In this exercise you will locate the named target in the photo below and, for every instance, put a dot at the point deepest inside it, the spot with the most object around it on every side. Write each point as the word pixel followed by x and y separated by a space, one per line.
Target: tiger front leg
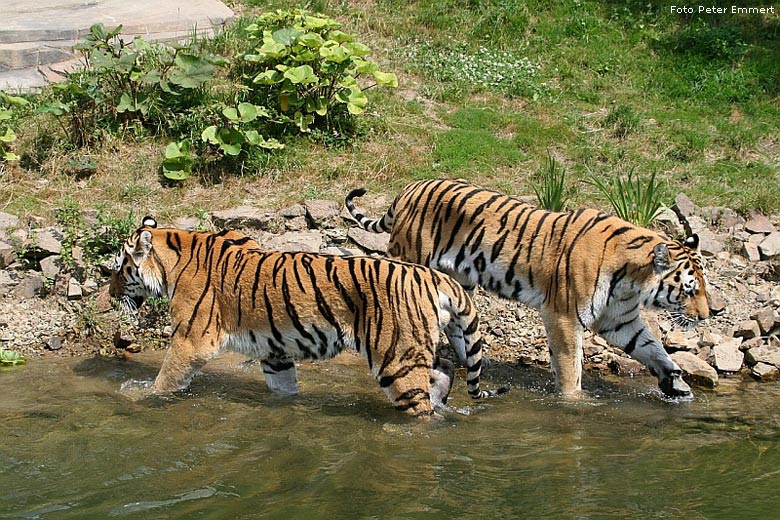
pixel 637 341
pixel 564 337
pixel 442 376
pixel 181 363
pixel 280 375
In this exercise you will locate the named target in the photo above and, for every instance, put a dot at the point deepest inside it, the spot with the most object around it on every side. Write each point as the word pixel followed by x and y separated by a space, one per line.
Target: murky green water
pixel 72 446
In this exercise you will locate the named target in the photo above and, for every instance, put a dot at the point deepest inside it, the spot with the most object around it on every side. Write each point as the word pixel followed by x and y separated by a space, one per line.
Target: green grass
pixel 487 87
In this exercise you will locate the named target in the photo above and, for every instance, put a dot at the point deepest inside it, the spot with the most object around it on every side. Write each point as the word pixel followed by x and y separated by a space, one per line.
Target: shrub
pixel 9 112
pixel 633 199
pixel 551 193
pixel 305 68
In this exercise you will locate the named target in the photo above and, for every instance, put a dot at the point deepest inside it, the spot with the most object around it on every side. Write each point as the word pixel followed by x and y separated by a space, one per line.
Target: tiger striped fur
pixel 228 294
pixel 582 269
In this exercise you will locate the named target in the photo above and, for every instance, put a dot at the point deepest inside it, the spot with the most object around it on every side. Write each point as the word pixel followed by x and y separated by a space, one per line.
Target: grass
pixel 486 89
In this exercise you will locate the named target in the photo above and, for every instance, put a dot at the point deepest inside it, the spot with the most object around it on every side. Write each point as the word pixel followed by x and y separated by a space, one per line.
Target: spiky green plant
pixel 551 191
pixel 633 199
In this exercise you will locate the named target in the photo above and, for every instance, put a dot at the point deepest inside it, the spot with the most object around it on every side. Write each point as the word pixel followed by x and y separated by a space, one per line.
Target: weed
pixel 107 236
pixel 551 193
pixel 623 120
pixel 11 358
pixel 633 199
pixel 69 218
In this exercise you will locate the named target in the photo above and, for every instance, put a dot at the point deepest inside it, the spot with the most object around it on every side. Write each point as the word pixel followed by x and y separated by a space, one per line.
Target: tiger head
pixel 681 286
pixel 135 276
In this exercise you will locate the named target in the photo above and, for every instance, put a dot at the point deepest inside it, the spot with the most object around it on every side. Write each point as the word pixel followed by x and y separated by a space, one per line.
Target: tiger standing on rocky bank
pixel 228 294
pixel 582 269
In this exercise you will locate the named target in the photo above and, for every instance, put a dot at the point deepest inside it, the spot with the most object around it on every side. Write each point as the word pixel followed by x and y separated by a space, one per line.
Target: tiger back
pixel 228 294
pixel 582 269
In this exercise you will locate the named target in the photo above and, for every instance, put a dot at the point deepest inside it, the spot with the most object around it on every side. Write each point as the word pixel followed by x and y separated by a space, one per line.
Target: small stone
pixel 751 252
pixel 709 339
pixel 751 343
pixel 716 302
pixel 323 213
pixel 684 206
pixel 774 342
pixel 727 355
pixel 748 329
pixel 695 370
pixel 167 331
pixel 188 223
pixel 766 320
pixel 296 210
pixel 341 251
pixel 709 243
pixel 669 222
pixel 759 224
pixel 103 301
pixel 50 266
pixel 372 242
pixel 134 348
pixel 8 221
pixel 54 343
pixel 757 238
pixel 296 224
pixel 42 243
pixel 122 339
pixel 89 286
pixel 590 348
pixel 7 255
pixel 245 217
pixel 770 246
pixel 681 339
pixel 30 286
pixel 765 372
pixel 74 290
pixel 624 366
pixel 7 281
pixel 292 241
pixel 765 354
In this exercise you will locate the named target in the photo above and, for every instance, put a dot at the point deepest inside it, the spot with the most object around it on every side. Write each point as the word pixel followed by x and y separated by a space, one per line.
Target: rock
pixel 766 320
pixel 715 300
pixel 8 221
pixel 709 339
pixel 7 254
pixel 43 242
pixel 696 371
pixel 50 266
pixel 759 224
pixel 770 246
pixel 750 251
pixel 188 223
pixel 335 236
pixel 727 355
pixel 371 242
pixel 54 343
pixel 751 343
pixel 134 347
pixel 681 340
pixel 122 339
pixel 30 286
pixel 748 329
pixel 74 291
pixel 307 241
pixel 710 244
pixel 730 219
pixel 765 372
pixel 323 213
pixel 7 281
pixel 590 349
pixel 624 366
pixel 684 206
pixel 669 222
pixel 245 216
pixel 300 223
pixel 296 210
pixel 774 342
pixel 766 354
pixel 89 286
pixel 103 301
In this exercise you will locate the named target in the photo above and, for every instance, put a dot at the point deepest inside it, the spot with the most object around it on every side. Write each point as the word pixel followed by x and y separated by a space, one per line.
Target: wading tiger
pixel 582 269
pixel 228 294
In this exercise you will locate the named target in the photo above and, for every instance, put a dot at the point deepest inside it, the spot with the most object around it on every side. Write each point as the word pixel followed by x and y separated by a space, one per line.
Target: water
pixel 72 446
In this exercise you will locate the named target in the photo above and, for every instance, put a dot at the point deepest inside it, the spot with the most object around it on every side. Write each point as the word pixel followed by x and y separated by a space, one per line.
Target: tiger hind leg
pixel 280 375
pixel 442 377
pixel 408 388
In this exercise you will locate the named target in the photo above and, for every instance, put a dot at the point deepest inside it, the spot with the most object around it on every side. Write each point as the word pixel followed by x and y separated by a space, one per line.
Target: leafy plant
pixel 11 357
pixel 9 106
pixel 178 161
pixel 307 69
pixel 107 236
pixel 551 193
pixel 70 219
pixel 634 199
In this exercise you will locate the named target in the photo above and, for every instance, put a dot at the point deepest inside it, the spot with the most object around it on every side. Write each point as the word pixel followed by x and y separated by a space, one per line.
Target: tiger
pixel 226 293
pixel 581 269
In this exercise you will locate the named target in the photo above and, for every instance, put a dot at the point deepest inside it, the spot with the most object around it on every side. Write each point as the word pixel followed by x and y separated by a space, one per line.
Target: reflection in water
pixel 73 446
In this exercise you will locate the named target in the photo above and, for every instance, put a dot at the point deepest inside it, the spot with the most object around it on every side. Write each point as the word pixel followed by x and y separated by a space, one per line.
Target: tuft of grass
pixel 623 120
pixel 633 199
pixel 551 192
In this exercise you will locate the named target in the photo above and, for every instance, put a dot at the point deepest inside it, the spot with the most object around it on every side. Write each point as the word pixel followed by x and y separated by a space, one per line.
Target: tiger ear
pixel 661 258
pixel 692 241
pixel 148 221
pixel 142 247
